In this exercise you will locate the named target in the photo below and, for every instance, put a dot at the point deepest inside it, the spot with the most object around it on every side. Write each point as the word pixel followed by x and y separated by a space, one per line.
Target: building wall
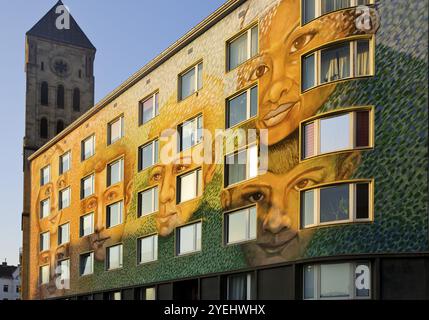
pixel 396 165
pixel 13 284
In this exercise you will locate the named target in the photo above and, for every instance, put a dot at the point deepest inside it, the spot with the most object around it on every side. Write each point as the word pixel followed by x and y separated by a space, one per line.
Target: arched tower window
pixel 60 126
pixel 44 128
pixel 60 96
pixel 44 94
pixel 76 99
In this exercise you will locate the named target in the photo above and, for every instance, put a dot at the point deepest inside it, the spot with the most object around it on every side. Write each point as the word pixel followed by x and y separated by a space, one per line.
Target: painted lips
pixel 278 115
pixel 277 242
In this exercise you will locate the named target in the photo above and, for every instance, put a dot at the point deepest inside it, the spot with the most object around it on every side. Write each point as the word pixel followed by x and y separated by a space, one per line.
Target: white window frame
pixel 60 233
pixel 81 225
pixel 121 257
pixel 248 168
pixel 352 204
pixel 60 197
pixel 155 205
pixel 42 175
pixel 48 205
pixel 48 241
pixel 121 214
pixel 154 258
pixel 247 226
pixel 248 34
pixel 90 254
pixel 317 281
pixel 155 157
pixel 109 172
pixel 352 58
pixel 61 169
pixel 83 148
pixel 41 273
pixel 198 177
pixel 195 240
pixel 110 141
pixel 248 105
pixel 155 111
pixel 195 68
pixel 82 186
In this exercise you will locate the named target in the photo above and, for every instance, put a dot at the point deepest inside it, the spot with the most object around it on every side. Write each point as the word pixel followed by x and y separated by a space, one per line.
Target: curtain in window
pixel 237 287
pixel 335 63
pixel 236 165
pixel 332 5
pixel 238 51
pixel 308 140
pixel 362 58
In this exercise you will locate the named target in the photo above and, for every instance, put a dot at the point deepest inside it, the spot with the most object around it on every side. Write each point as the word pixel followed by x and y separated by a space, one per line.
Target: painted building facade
pixel 276 151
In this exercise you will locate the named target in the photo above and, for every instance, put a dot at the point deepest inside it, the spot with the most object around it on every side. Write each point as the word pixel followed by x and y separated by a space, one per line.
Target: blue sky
pixel 127 35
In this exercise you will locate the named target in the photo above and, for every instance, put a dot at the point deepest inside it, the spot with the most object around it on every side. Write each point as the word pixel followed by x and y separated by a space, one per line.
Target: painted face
pixel 281 104
pixel 277 197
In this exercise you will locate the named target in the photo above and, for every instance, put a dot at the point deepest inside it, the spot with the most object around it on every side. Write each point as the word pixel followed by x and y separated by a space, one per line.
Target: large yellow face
pixel 277 197
pixel 282 105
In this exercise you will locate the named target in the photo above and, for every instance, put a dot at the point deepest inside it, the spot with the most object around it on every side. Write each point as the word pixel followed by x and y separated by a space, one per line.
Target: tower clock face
pixel 60 66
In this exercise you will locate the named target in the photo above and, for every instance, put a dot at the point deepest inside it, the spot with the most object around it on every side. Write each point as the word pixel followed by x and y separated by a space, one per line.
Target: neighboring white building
pixel 10 282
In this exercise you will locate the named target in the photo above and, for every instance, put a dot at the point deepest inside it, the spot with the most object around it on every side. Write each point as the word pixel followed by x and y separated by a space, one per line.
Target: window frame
pixel 248 239
pixel 41 216
pixel 81 219
pixel 82 147
pixel 249 285
pixel 119 119
pixel 155 205
pixel 42 180
pixel 61 169
pixel 121 260
pixel 177 231
pixel 194 121
pixel 60 199
pixel 41 274
pixel 197 171
pixel 155 249
pixel 91 254
pixel 59 262
pixel 42 248
pixel 317 280
pixel 248 177
pixel 109 172
pixel 195 68
pixel 155 156
pixel 155 111
pixel 352 206
pixel 248 32
pixel 352 42
pixel 318 11
pixel 249 117
pixel 82 186
pixel 108 212
pixel 60 233
pixel 316 120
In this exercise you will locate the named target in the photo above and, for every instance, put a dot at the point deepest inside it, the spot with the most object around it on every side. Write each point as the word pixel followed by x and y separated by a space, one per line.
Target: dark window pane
pixel 253 101
pixel 362 201
pixel 60 97
pixel 76 99
pixel 362 129
pixel 236 167
pixel 44 94
pixel 308 9
pixel 308 70
pixel 237 110
pixel 44 128
pixel 334 203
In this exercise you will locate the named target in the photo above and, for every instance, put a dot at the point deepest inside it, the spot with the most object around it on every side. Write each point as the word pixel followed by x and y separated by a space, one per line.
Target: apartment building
pixel 279 150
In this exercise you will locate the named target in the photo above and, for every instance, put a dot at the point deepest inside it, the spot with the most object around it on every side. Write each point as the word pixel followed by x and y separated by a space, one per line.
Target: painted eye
pixel 256 197
pixel 301 42
pixel 304 183
pixel 258 72
pixel 156 177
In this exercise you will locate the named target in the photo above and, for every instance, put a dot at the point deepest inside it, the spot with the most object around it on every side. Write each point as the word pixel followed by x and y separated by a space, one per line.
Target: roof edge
pixel 190 36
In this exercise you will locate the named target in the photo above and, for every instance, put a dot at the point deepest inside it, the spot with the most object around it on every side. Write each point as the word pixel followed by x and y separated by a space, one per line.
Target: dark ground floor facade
pixel 377 277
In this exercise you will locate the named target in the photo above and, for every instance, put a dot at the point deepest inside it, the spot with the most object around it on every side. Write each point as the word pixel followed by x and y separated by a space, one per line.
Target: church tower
pixel 59 65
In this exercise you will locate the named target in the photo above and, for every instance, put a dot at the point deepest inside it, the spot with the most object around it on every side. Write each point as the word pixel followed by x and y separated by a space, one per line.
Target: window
pixel 339 132
pixel 115 172
pixel 340 203
pixel 191 81
pixel 60 96
pixel 64 234
pixel 86 225
pixel 45 175
pixel 148 294
pixel 60 126
pixel 336 62
pixel 87 187
pixel 64 198
pixel 86 264
pixel 64 270
pixel 76 100
pixel 44 274
pixel 148 155
pixel 189 186
pixel 88 148
pixel 190 133
pixel 114 257
pixel 337 281
pixel 44 241
pixel 45 208
pixel 148 249
pixel 239 287
pixel 44 130
pixel 149 108
pixel 242 107
pixel 240 226
pixel 188 239
pixel 44 94
pixel 312 9
pixel 241 165
pixel 242 48
pixel 115 130
pixel 116 296
pixel 5 288
pixel 65 162
pixel 148 202
pixel 114 214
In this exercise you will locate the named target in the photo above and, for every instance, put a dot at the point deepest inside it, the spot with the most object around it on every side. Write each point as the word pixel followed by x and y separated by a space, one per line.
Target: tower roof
pixel 46 28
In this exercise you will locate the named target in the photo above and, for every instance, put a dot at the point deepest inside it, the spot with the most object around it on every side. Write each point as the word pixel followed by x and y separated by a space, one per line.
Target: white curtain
pixel 362 59
pixel 335 63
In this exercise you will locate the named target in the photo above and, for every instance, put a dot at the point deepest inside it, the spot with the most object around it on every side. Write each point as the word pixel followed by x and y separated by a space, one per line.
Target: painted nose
pixel 166 194
pixel 278 89
pixel 276 221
